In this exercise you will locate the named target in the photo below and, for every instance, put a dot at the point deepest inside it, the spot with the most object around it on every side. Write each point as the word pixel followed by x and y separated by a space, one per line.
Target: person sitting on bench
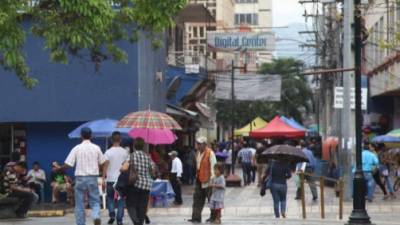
pixel 14 189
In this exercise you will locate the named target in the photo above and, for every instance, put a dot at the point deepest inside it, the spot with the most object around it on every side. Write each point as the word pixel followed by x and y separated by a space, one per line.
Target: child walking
pixel 217 197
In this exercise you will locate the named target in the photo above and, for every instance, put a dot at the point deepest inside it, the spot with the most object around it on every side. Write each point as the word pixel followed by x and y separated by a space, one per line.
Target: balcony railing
pixel 184 58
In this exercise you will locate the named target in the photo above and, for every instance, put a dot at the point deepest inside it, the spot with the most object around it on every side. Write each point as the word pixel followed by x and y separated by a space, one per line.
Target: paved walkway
pixel 245 206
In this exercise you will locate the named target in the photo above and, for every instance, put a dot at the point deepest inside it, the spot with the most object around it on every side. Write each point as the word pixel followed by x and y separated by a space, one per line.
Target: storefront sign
pixel 338 98
pixel 241 41
pixel 249 87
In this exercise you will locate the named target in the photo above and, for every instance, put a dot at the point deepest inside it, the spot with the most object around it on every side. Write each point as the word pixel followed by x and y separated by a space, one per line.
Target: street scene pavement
pixel 244 205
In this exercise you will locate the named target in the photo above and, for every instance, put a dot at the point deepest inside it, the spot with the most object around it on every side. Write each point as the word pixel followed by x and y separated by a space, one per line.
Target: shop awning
pixel 293 123
pixel 256 124
pixel 277 129
pixel 203 109
pixel 178 111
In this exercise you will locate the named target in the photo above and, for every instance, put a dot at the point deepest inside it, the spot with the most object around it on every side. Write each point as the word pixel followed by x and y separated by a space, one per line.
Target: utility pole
pixel 359 214
pixel 233 103
pixel 347 128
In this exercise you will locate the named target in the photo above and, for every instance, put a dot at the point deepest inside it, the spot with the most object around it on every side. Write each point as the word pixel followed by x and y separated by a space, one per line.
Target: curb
pixel 46 213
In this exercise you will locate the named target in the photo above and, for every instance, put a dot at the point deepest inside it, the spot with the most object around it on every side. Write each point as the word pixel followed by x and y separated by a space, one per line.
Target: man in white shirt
pixel 176 175
pixel 37 179
pixel 87 159
pixel 115 157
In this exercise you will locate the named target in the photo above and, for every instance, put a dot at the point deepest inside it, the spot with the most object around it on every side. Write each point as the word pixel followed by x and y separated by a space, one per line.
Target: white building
pixel 382 63
pixel 254 16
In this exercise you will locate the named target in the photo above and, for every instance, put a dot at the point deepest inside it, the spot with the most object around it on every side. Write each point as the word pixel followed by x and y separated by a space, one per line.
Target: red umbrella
pixel 149 119
pixel 277 129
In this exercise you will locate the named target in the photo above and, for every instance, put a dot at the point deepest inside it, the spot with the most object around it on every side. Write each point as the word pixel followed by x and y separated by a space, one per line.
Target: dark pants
pixel 189 174
pixel 228 169
pixel 279 192
pixel 253 170
pixel 25 201
pixel 136 204
pixel 177 188
pixel 199 200
pixel 246 167
pixel 377 177
pixel 313 187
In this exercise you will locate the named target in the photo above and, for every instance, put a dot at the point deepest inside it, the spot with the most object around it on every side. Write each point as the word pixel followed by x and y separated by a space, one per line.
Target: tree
pixel 296 96
pixel 79 28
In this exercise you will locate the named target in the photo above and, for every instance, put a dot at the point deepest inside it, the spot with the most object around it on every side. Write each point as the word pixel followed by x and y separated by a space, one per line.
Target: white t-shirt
pixel 228 159
pixel 116 156
pixel 177 167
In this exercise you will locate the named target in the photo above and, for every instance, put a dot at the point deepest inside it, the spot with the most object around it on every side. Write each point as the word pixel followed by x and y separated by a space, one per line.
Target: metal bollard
pixel 303 200
pixel 321 185
pixel 341 191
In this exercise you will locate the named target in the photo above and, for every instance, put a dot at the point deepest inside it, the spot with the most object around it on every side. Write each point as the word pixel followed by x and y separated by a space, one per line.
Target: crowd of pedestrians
pixel 204 166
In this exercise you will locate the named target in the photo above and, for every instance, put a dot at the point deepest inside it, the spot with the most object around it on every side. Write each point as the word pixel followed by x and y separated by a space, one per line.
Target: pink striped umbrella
pixel 154 136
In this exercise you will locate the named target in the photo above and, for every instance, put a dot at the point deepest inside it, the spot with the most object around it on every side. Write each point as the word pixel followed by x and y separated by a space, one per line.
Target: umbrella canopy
pixel 293 123
pixel 285 153
pixel 256 124
pixel 100 128
pixel 386 139
pixel 394 151
pixel 277 129
pixel 154 136
pixel 394 133
pixel 149 119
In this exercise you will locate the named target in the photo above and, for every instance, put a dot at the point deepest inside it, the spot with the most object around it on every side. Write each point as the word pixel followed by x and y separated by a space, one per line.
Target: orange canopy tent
pixel 277 129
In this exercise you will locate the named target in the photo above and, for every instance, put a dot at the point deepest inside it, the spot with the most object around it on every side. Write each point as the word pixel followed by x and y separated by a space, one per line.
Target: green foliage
pixel 87 29
pixel 296 96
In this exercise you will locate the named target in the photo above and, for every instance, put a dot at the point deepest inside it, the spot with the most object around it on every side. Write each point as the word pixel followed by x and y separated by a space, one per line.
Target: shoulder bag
pixel 127 178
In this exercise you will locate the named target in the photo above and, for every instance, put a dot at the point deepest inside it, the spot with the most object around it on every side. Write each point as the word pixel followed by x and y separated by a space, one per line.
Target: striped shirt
pixel 10 179
pixel 246 155
pixel 86 157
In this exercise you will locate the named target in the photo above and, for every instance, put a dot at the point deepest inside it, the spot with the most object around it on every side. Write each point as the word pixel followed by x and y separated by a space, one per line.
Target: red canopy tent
pixel 277 129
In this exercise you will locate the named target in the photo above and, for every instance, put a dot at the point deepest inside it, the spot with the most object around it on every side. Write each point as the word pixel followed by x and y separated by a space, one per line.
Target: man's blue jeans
pixel 279 192
pixel 111 203
pixel 370 185
pixel 86 185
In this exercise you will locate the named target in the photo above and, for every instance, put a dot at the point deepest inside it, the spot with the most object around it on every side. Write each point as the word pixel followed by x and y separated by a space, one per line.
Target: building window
pixel 195 32
pixel 246 18
pixel 201 29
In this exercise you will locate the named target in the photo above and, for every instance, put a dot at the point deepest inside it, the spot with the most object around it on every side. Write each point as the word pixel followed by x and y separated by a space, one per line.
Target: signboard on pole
pixel 338 98
pixel 249 87
pixel 235 41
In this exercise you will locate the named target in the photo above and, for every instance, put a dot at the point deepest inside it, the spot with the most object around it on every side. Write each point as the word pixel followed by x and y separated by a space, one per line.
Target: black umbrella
pixel 284 153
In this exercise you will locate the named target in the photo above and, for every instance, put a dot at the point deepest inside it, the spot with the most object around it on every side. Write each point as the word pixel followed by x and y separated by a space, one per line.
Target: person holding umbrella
pixel 279 172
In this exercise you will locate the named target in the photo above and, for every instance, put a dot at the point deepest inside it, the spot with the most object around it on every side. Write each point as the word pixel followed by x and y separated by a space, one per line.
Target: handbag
pixel 126 179
pixel 267 183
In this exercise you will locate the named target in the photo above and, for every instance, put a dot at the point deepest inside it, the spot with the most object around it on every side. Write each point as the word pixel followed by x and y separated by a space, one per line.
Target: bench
pixel 8 207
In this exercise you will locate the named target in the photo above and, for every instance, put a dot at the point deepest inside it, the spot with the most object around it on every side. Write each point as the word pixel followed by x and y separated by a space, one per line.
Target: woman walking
pixel 384 169
pixel 137 197
pixel 279 172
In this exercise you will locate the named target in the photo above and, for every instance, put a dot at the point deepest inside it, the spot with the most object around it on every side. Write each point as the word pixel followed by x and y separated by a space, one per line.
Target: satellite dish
pixel 173 87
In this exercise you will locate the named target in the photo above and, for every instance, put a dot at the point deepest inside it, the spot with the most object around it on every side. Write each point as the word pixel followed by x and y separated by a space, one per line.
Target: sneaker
pixel 393 196
pixel 315 199
pixel 217 221
pixel 97 221
pixel 111 221
pixel 283 215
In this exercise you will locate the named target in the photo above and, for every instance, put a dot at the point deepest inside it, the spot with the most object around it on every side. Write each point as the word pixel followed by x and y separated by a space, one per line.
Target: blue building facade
pixel 36 122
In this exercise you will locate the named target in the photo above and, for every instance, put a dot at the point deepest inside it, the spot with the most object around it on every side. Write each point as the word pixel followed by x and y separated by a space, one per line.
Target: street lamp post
pixel 359 214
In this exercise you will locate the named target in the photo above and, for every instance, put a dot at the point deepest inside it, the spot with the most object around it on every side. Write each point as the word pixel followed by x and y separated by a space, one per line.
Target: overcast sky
pixel 286 12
